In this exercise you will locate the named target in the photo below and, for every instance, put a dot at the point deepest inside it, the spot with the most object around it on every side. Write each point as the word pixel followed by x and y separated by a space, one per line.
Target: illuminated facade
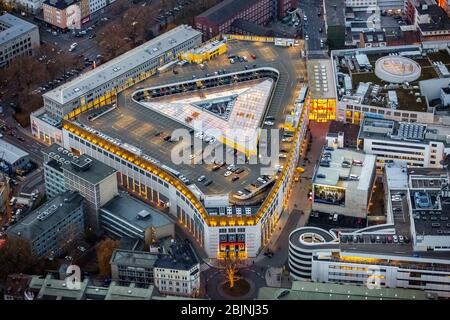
pixel 321 98
pixel 245 234
pixel 319 255
pixel 206 52
pixel 322 110
pixel 99 86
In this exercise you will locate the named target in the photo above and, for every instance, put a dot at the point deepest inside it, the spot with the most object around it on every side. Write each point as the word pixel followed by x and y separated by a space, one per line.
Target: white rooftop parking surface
pixel 122 64
pixel 244 119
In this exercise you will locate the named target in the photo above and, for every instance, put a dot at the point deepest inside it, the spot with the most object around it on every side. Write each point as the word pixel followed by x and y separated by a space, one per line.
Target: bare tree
pixel 231 264
pixel 15 257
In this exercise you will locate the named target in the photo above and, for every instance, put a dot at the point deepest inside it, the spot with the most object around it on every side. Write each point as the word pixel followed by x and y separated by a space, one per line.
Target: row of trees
pixel 26 73
pixel 132 28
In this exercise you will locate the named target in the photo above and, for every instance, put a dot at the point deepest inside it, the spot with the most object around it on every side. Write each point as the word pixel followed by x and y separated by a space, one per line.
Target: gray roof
pixel 127 208
pixel 15 27
pixel 304 290
pixel 335 12
pixel 31 227
pixel 131 292
pixel 391 130
pixel 84 166
pixel 133 258
pixel 10 153
pixel 121 64
pixel 181 257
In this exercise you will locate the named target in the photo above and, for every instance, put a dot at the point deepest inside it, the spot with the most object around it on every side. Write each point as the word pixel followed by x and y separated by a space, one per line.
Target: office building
pixel 12 158
pixel 136 267
pixel 147 173
pixel 49 228
pixel 17 38
pixel 343 182
pixel 125 216
pixel 94 180
pixel 419 145
pixel 219 19
pixel 429 19
pixel 361 76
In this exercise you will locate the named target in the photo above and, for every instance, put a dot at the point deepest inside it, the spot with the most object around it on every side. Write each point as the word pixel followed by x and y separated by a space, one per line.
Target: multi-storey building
pixel 48 229
pixel 410 251
pixel 242 230
pixel 178 272
pixel 17 38
pixel 71 14
pixel 360 75
pixel 343 182
pixel 219 19
pixel 136 267
pixel 62 14
pixel 125 216
pixel 98 86
pixel 94 180
pixel 419 145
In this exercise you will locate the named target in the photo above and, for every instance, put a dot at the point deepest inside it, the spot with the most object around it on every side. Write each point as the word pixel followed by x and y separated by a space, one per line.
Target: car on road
pixel 227 173
pixel 306 37
pixel 201 178
pixel 268 123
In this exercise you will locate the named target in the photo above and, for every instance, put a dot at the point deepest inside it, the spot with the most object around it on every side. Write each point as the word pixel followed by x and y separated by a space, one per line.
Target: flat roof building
pixel 17 37
pixel 219 19
pixel 49 288
pixel 125 216
pixel 94 180
pixel 396 83
pixel 419 145
pixel 342 182
pixel 306 290
pixel 50 227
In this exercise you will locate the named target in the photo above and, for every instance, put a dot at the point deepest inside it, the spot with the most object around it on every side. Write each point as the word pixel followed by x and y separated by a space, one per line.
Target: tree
pixel 15 257
pixel 231 264
pixel 112 40
pixel 105 250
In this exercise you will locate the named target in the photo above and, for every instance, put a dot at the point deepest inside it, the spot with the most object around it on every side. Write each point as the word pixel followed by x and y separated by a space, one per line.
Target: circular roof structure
pixel 397 69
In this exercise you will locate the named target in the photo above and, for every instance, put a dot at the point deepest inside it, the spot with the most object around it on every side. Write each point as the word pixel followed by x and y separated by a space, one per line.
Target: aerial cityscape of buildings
pixel 251 149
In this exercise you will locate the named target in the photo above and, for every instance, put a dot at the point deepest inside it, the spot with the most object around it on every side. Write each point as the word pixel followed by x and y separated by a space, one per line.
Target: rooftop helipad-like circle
pixel 397 69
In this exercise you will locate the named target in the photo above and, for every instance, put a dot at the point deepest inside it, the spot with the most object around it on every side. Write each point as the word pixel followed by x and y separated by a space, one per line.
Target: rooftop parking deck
pixel 149 130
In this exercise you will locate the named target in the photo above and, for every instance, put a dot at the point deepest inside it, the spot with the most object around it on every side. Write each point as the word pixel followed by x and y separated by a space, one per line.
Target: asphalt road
pixel 314 23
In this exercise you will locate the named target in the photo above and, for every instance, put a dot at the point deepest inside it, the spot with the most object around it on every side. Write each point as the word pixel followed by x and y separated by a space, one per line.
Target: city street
pixel 314 23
